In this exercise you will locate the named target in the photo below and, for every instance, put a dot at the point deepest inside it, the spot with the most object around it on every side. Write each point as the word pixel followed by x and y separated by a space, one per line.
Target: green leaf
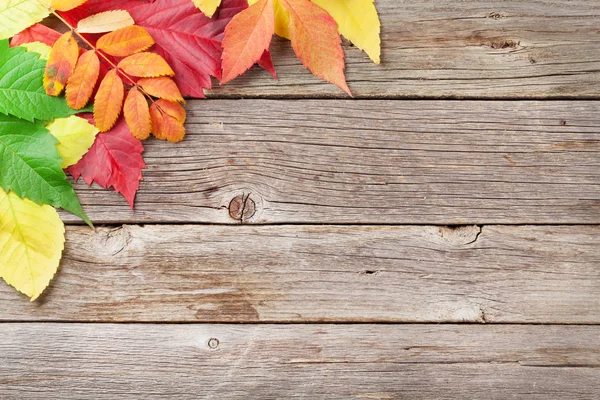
pixel 22 91
pixel 30 165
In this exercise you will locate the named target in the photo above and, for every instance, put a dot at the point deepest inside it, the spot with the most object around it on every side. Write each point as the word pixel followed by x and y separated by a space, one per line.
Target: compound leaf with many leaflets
pixel 30 165
pixel 32 239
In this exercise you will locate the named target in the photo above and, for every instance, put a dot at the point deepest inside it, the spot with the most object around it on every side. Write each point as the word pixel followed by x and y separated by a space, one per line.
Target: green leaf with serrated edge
pixel 30 165
pixel 22 91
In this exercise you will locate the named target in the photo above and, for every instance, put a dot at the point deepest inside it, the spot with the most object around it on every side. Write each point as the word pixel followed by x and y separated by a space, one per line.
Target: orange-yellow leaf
pixel 146 65
pixel 161 87
pixel 125 41
pixel 61 64
pixel 137 114
pixel 66 5
pixel 316 41
pixel 80 85
pixel 108 101
pixel 247 37
pixel 167 120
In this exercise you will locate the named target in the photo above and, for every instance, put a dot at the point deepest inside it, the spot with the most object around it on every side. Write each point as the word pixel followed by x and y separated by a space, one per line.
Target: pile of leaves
pixel 81 102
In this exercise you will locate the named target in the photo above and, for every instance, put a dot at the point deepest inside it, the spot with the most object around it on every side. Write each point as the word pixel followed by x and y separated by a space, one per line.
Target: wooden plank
pixel 446 48
pixel 186 273
pixel 91 361
pixel 390 162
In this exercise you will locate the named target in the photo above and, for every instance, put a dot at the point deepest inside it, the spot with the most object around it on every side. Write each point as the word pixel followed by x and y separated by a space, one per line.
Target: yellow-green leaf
pixel 208 7
pixel 75 137
pixel 38 47
pixel 32 239
pixel 17 15
pixel 358 22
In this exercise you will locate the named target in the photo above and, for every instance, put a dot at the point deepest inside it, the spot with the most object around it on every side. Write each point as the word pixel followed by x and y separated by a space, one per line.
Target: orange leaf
pixel 146 65
pixel 161 87
pixel 61 64
pixel 108 101
pixel 137 114
pixel 316 41
pixel 247 37
pixel 167 120
pixel 125 41
pixel 80 85
pixel 66 5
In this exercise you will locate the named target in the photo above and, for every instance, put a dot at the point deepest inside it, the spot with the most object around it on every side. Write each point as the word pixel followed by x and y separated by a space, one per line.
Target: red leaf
pixel 266 63
pixel 35 33
pixel 114 160
pixel 184 36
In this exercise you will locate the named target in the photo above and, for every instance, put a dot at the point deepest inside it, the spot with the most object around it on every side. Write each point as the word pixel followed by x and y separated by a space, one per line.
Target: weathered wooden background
pixel 437 237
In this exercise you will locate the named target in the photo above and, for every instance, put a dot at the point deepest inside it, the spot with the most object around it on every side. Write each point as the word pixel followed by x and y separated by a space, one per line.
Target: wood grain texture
pixel 445 48
pixel 375 162
pixel 191 273
pixel 89 361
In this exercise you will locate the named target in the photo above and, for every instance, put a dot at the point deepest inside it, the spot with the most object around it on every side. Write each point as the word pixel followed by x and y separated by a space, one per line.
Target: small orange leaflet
pixel 167 120
pixel 61 64
pixel 108 101
pixel 161 87
pixel 146 65
pixel 125 41
pixel 137 114
pixel 80 85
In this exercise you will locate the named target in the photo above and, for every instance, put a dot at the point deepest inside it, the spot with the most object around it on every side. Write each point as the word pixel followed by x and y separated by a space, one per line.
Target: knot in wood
pixel 213 343
pixel 242 208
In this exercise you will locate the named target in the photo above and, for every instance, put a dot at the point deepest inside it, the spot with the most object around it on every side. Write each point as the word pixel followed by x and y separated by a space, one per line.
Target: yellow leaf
pixel 282 19
pixel 75 137
pixel 32 239
pixel 107 21
pixel 208 7
pixel 358 22
pixel 38 47
pixel 17 15
pixel 66 5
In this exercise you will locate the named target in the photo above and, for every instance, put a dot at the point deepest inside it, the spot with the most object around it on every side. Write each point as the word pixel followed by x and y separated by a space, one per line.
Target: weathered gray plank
pixel 325 161
pixel 90 361
pixel 472 48
pixel 322 274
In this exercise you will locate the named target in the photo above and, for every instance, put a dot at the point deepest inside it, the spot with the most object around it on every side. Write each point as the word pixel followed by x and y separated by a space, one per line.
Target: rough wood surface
pixel 87 361
pixel 370 161
pixel 322 274
pixel 446 48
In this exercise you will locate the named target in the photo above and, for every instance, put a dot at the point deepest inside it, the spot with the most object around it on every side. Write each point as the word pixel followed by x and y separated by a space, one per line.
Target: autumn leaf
pixel 247 37
pixel 358 21
pixel 161 87
pixel 40 48
pixel 30 165
pixel 282 19
pixel 35 33
pixel 208 7
pixel 61 64
pixel 108 101
pixel 75 137
pixel 145 65
pixel 125 41
pixel 26 98
pixel 187 39
pixel 316 41
pixel 266 62
pixel 17 15
pixel 65 5
pixel 114 160
pixel 167 120
pixel 32 237
pixel 107 21
pixel 81 83
pixel 137 114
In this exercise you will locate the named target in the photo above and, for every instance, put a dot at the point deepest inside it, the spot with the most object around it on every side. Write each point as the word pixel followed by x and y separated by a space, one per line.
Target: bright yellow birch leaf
pixel 358 22
pixel 107 21
pixel 208 7
pixel 17 15
pixel 75 137
pixel 282 19
pixel 66 5
pixel 32 239
pixel 38 47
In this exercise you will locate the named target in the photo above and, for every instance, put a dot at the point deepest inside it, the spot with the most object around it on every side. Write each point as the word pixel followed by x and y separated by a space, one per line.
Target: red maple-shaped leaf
pixel 35 33
pixel 114 160
pixel 187 39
